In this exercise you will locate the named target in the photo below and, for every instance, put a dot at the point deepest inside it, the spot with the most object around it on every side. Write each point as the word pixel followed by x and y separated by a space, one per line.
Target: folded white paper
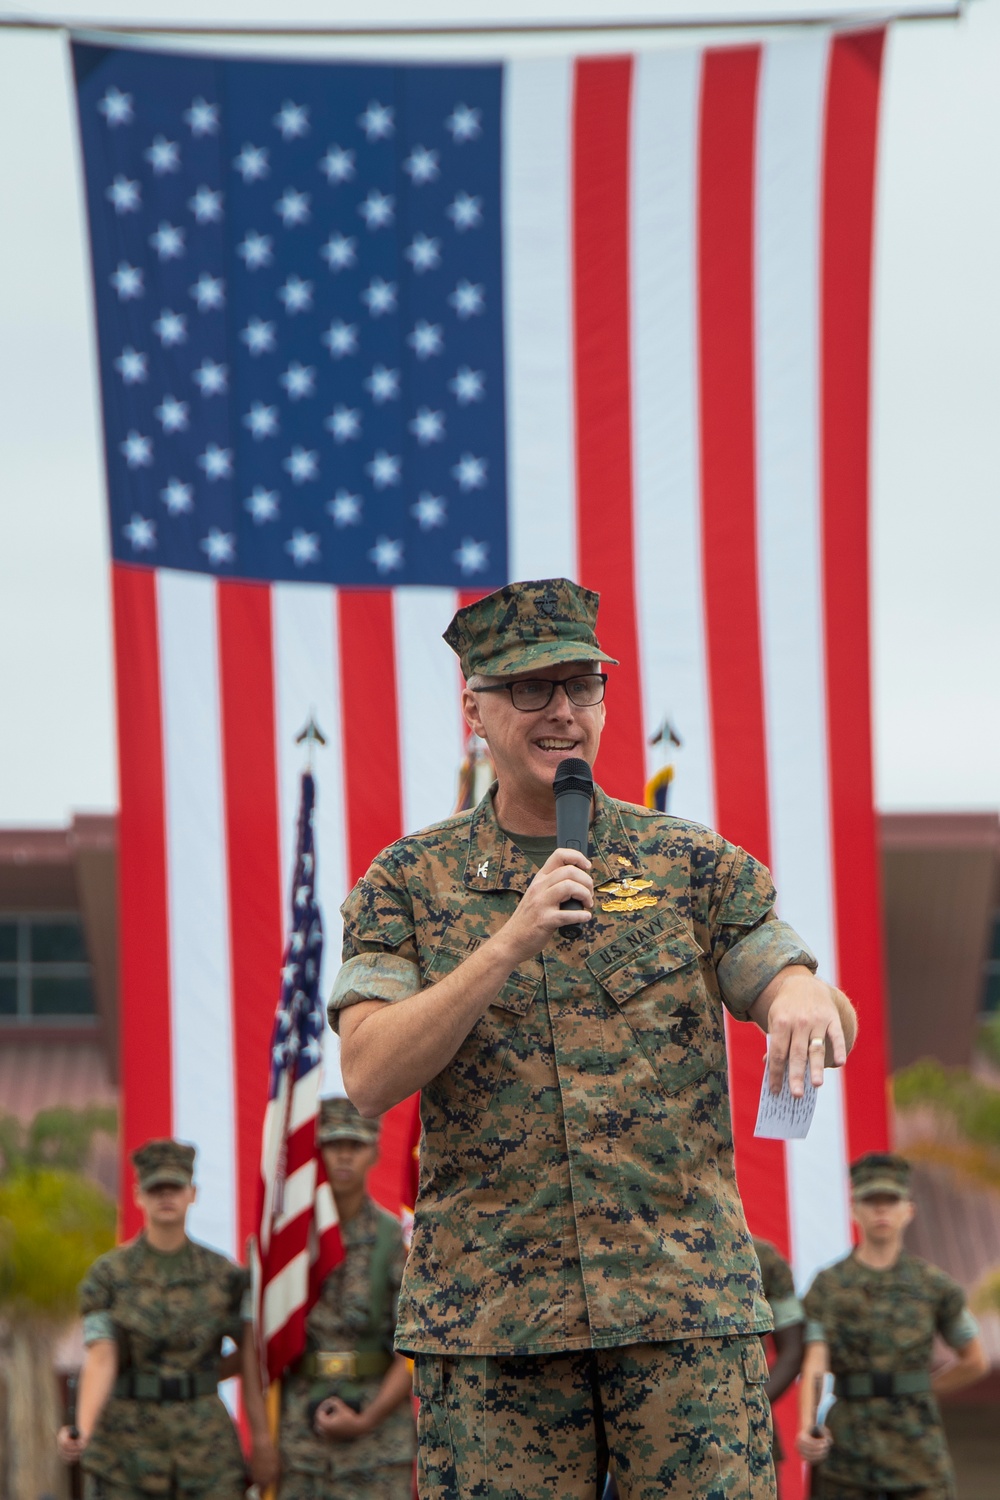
pixel 782 1117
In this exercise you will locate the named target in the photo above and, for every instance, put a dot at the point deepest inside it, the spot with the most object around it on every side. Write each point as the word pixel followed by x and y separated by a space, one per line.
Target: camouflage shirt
pixel 576 1168
pixel 885 1320
pixel 168 1315
pixel 338 1321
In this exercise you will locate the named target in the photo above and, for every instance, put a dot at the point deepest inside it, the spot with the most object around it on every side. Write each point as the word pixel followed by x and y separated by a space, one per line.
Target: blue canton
pixel 299 295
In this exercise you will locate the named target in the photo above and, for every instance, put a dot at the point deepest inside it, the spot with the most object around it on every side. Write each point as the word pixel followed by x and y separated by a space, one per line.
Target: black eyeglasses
pixel 536 692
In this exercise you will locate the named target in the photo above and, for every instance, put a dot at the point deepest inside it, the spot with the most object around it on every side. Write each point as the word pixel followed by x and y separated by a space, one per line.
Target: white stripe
pixel 325 1208
pixel 305 1095
pixel 789 167
pixel 283 1294
pixel 298 1195
pixel 307 680
pixel 538 341
pixel 197 899
pixel 428 686
pixel 665 419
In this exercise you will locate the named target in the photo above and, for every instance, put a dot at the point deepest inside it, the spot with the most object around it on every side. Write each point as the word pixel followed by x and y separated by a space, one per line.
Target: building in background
pixel 58 967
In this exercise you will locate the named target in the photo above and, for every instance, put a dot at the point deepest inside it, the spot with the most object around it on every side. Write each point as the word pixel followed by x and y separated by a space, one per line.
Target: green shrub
pixel 59 1138
pixel 53 1225
pixel 974 1105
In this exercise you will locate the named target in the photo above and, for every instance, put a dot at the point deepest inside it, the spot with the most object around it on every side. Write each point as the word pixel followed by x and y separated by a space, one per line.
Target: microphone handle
pixel 572 832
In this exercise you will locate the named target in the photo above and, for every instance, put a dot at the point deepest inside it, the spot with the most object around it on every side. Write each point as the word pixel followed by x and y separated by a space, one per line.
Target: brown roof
pixel 40 1074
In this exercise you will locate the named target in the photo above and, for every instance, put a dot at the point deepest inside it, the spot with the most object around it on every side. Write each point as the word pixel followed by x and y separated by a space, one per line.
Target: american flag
pixel 374 337
pixel 298 1238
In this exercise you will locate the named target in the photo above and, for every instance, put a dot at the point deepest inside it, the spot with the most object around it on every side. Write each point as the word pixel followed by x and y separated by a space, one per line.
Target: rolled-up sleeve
pixel 97 1304
pixel 372 976
pixel 755 959
pixel 750 945
pixel 379 955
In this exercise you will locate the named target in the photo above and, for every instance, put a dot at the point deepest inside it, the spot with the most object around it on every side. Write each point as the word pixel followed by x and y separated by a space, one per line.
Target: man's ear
pixel 470 712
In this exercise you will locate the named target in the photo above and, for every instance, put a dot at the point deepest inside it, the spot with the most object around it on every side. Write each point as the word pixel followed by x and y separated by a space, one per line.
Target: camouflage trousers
pixel 686 1419
pixel 825 1488
pixel 394 1482
pixel 96 1488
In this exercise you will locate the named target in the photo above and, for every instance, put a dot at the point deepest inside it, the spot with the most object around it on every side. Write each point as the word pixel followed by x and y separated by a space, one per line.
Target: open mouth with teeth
pixel 557 746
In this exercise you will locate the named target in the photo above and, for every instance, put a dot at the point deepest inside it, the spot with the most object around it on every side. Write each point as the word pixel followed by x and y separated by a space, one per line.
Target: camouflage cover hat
pixel 340 1121
pixel 164 1161
pixel 527 625
pixel 880 1172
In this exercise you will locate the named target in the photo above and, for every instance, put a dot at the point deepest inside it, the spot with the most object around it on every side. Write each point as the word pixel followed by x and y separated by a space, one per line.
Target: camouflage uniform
pixel 882 1322
pixel 168 1315
pixel 577 1200
pixel 378 1465
pixel 786 1308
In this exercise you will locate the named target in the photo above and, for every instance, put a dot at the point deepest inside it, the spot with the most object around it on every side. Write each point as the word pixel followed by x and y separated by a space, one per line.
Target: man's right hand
pixel 565 876
pixel 70 1448
pixel 814 1448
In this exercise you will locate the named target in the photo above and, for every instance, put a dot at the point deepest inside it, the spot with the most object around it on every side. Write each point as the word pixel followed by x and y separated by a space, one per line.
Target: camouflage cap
pixel 878 1173
pixel 527 625
pixel 340 1121
pixel 164 1161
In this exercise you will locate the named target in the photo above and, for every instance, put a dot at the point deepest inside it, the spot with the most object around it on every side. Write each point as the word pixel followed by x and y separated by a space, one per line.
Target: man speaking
pixel 581 1283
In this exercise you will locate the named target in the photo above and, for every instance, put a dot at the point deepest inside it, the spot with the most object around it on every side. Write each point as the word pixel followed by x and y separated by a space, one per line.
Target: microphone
pixel 574 792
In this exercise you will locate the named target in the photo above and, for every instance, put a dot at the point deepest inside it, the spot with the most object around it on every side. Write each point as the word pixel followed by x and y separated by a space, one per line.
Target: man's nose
pixel 560 705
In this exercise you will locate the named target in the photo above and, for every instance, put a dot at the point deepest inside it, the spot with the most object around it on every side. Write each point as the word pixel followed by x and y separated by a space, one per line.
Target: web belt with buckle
pixel 136 1385
pixel 865 1385
pixel 344 1364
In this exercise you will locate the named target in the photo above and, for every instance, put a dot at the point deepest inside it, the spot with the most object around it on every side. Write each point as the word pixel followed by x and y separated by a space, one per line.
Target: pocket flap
pixel 671 951
pixel 515 995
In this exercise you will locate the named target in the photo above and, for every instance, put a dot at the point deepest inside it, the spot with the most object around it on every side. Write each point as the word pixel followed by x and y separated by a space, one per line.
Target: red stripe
pixel 729 529
pixel 144 950
pixel 848 219
pixel 250 778
pixel 369 716
pixel 601 317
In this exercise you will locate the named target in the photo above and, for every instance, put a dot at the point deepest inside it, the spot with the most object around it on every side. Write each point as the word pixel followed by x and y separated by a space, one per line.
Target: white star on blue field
pixel 299 283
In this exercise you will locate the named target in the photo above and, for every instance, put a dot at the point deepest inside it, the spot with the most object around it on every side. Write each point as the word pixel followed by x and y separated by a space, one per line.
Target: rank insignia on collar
pixel 627 894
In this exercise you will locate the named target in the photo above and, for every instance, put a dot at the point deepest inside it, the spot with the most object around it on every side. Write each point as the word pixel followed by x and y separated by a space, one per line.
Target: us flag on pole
pixel 298 1238
pixel 376 337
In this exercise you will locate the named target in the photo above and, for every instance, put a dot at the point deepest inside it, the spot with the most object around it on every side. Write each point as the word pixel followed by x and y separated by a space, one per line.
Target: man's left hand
pixel 809 1024
pixel 339 1422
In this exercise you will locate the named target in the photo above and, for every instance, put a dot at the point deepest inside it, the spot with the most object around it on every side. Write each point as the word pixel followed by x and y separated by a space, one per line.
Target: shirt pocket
pixel 661 994
pixel 465 1088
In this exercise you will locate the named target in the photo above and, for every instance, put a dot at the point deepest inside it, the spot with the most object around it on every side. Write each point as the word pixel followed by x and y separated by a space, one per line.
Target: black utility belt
pixel 133 1385
pixel 867 1385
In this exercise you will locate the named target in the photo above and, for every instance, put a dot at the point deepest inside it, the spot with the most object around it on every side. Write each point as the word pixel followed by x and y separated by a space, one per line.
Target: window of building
pixel 991 971
pixel 45 974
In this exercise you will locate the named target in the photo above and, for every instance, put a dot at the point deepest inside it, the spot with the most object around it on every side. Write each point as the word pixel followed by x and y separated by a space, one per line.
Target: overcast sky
pixel 936 435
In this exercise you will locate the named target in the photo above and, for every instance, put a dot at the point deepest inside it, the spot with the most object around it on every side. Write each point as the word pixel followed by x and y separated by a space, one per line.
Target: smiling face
pixel 527 748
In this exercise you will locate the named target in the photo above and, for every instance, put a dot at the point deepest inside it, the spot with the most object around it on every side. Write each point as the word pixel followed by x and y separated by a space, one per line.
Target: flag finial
pixel 310 736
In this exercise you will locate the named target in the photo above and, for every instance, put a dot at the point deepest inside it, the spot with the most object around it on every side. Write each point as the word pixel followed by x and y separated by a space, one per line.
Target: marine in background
pixel 347 1427
pixel 788 1333
pixel 871 1321
pixel 149 1419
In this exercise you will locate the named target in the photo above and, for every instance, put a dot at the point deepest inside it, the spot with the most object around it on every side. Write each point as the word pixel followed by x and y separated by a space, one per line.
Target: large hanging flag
pixel 298 1240
pixel 376 337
